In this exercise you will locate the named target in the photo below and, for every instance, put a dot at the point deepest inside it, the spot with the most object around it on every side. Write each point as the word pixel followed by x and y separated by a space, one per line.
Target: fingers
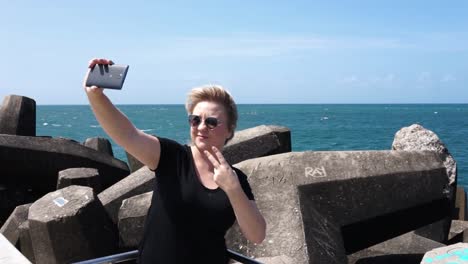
pixel 219 155
pixel 92 88
pixel 91 64
pixel 212 159
pixel 95 61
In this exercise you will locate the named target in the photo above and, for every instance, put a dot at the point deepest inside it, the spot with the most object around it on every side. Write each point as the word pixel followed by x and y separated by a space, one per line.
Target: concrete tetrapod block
pixel 133 163
pixel 132 217
pixel 136 183
pixel 460 204
pixel 28 157
pixel 274 260
pixel 25 243
pixel 10 228
pixel 458 232
pixel 80 176
pixel 407 246
pixel 322 206
pixel 102 145
pixel 418 138
pixel 70 225
pixel 18 116
pixel 257 142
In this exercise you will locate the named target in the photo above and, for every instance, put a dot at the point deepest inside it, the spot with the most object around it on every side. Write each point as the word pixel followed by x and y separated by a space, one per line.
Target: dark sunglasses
pixel 210 122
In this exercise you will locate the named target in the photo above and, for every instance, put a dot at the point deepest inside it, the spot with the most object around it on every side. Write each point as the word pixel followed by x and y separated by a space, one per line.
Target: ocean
pixel 313 126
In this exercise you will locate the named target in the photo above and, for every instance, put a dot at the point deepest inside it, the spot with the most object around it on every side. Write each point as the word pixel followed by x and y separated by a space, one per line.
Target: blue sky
pixel 262 51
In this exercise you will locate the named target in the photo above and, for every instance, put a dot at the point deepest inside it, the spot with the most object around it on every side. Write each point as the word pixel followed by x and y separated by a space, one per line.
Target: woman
pixel 197 194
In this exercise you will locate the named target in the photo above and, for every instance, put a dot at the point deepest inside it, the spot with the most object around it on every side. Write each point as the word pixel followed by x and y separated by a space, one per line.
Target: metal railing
pixel 132 255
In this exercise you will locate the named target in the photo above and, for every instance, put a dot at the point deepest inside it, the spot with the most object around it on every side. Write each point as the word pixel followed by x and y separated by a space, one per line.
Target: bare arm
pixel 144 147
pixel 251 222
pixel 249 218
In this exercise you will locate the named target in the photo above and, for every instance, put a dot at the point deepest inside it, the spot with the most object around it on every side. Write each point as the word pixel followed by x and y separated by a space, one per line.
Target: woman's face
pixel 202 136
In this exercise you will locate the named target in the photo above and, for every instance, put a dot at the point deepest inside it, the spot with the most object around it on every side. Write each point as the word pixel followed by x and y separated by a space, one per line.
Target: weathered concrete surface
pixel 136 183
pixel 393 259
pixel 408 245
pixel 102 145
pixel 9 254
pixel 18 116
pixel 80 176
pixel 28 157
pixel 460 204
pixel 70 225
pixel 418 138
pixel 322 206
pixel 25 243
pixel 133 163
pixel 10 228
pixel 257 142
pixel 458 232
pixel 274 260
pixel 132 217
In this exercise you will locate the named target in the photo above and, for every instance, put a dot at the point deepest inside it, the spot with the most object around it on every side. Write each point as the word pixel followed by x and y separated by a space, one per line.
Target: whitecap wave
pixel 45 124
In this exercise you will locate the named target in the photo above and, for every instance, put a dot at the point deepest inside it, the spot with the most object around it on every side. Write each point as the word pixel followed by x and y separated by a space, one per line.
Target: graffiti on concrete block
pixel 315 172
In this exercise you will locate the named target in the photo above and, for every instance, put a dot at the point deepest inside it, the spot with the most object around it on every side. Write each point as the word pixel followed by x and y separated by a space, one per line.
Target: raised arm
pixel 144 147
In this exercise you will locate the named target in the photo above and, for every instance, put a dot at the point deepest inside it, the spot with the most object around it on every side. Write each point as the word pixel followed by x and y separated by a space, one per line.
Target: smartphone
pixel 107 76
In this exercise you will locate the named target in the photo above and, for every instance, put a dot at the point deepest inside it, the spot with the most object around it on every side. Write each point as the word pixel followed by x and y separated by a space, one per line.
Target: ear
pixel 231 135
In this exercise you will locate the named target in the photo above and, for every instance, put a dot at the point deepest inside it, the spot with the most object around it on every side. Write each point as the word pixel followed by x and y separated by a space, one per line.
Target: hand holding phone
pixel 106 75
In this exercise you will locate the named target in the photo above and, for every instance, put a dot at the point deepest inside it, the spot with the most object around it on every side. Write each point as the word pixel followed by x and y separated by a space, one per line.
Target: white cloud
pixel 255 45
pixel 389 77
pixel 448 78
pixel 424 77
pixel 260 45
pixel 350 79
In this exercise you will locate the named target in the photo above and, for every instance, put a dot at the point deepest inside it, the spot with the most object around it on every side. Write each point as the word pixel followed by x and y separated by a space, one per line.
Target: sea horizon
pixel 130 104
pixel 314 127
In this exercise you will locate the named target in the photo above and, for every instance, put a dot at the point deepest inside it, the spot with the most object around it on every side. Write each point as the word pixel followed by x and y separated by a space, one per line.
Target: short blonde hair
pixel 217 94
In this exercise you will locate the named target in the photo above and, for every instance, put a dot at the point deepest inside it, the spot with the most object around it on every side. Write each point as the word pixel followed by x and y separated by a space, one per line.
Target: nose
pixel 202 125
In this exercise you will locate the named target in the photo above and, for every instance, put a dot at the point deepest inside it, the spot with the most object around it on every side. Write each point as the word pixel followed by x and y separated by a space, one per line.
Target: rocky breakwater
pixel 30 165
pixel 320 207
pixel 357 206
pixel 57 221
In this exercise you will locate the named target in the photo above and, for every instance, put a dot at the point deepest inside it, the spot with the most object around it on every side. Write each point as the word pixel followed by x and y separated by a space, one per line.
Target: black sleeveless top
pixel 186 222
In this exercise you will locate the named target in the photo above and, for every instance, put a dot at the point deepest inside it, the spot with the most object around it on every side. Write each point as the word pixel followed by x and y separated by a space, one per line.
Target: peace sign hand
pixel 224 176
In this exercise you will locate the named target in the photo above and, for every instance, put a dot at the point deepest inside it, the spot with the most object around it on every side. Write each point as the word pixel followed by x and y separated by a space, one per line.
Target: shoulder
pixel 169 145
pixel 172 152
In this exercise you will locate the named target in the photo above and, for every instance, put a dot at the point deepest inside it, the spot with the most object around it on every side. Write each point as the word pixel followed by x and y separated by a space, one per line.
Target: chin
pixel 201 145
pixel 204 145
